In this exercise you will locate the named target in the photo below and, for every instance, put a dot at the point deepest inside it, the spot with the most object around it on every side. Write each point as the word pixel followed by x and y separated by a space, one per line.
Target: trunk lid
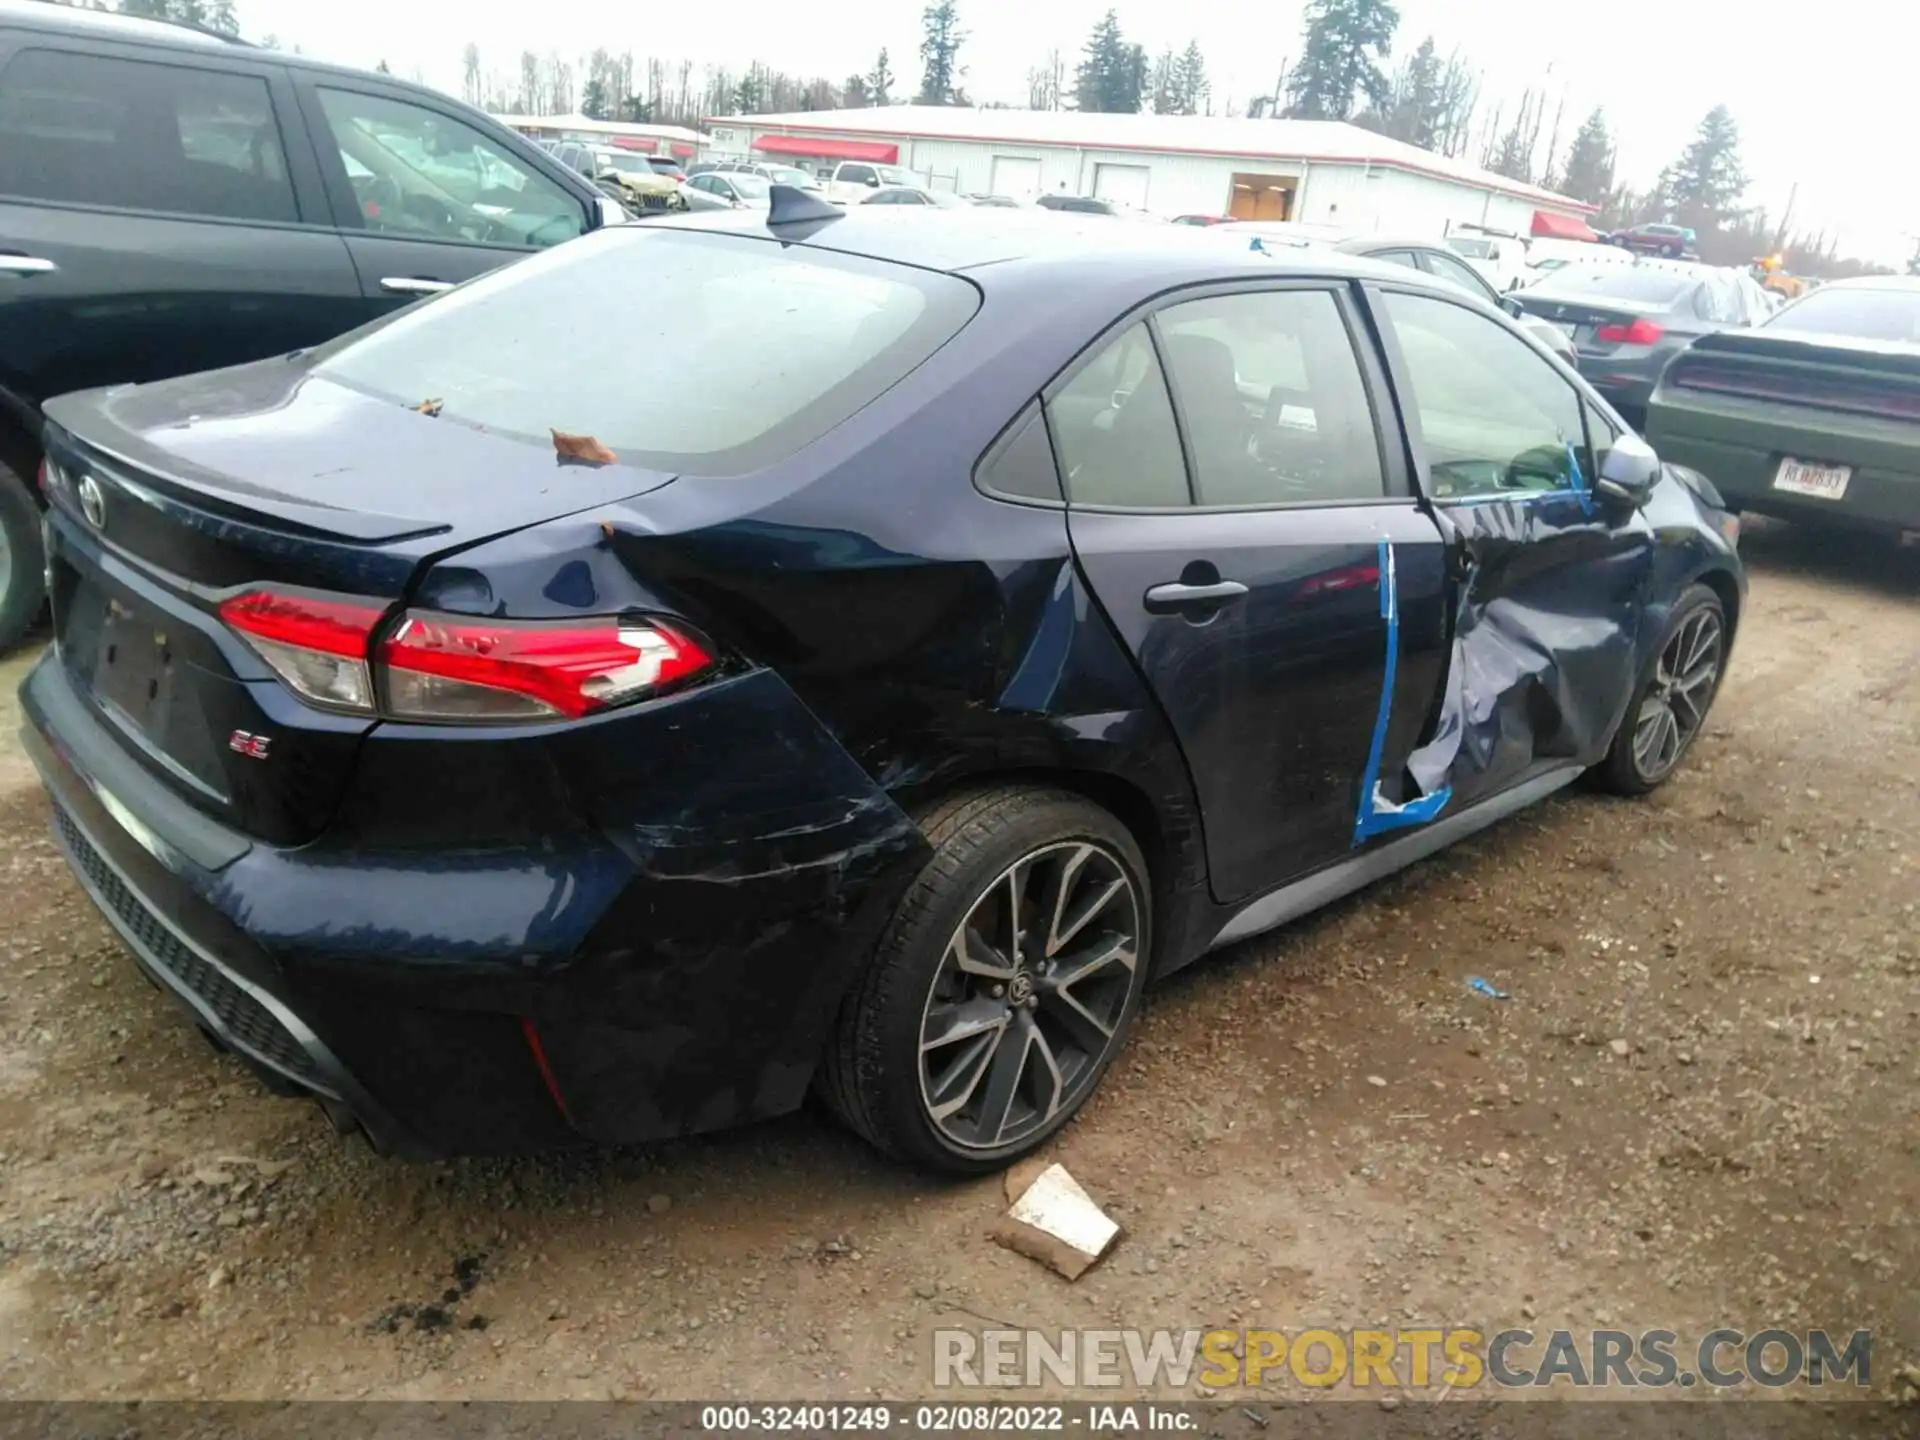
pixel 1580 320
pixel 169 497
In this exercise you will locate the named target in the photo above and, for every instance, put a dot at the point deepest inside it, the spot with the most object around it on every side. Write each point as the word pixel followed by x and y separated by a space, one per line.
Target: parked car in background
pixel 1079 619
pixel 853 180
pixel 998 202
pixel 773 172
pixel 1628 321
pixel 1092 205
pixel 916 195
pixel 632 180
pixel 172 200
pixel 1500 259
pixel 735 188
pixel 1672 241
pixel 1545 255
pixel 1814 415
pixel 1201 219
pixel 1436 259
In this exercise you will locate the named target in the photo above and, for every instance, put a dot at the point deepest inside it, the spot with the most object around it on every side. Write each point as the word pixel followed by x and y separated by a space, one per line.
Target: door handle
pixel 1174 598
pixel 414 285
pixel 25 265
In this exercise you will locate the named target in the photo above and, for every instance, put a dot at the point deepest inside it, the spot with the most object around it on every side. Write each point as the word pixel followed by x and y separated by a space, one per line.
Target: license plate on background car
pixel 1820 482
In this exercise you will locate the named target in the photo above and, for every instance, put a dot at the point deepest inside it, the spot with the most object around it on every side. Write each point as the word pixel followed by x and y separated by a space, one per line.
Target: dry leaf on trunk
pixel 583 448
pixel 428 407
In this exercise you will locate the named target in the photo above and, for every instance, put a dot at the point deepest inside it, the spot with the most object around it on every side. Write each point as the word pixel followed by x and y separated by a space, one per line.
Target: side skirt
pixel 1323 887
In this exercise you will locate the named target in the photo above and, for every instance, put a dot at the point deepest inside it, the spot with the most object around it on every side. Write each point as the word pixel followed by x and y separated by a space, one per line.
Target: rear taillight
pixel 453 668
pixel 1640 332
pixel 316 643
pixel 447 667
pixel 40 476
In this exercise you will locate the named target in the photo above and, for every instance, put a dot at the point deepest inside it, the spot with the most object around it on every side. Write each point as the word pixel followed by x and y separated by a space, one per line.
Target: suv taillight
pixel 456 668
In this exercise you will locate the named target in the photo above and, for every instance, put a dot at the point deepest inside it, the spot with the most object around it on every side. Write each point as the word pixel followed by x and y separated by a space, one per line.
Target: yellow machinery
pixel 1770 272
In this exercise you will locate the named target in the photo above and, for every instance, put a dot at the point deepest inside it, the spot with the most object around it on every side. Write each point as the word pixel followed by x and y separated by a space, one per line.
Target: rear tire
pixel 23 562
pixel 1670 707
pixel 1003 986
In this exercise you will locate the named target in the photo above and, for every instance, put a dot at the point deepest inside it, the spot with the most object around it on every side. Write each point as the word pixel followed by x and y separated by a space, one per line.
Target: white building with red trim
pixel 1313 170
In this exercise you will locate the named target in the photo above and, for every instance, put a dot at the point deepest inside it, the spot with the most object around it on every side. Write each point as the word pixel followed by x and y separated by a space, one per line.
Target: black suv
pixel 172 201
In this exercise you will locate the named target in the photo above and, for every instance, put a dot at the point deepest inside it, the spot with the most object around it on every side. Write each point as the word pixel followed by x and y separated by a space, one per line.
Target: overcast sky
pixel 1821 97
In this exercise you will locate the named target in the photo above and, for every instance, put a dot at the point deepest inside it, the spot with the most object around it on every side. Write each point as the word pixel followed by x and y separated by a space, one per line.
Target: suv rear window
pixel 755 350
pixel 90 130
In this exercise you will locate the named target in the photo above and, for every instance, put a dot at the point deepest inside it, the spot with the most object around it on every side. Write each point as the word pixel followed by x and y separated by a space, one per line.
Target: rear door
pixel 425 198
pixel 1236 507
pixel 1548 580
pixel 159 213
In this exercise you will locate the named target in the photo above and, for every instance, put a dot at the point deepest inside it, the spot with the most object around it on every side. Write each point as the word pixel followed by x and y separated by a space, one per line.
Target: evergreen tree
pixel 1112 73
pixel 1589 172
pixel 854 94
pixel 1416 112
pixel 1341 50
pixel 1703 187
pixel 382 69
pixel 215 15
pixel 1191 79
pixel 939 52
pixel 593 100
pixel 880 81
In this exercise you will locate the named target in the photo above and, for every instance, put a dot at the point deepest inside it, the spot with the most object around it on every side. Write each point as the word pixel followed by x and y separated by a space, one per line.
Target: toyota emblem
pixel 93 502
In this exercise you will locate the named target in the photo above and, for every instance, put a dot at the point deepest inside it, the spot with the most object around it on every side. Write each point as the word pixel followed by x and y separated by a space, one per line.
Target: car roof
pixel 1899 284
pixel 984 238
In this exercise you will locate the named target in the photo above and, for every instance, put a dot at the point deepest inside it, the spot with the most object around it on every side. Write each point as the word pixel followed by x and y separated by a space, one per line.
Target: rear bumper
pixel 1743 460
pixel 494 1003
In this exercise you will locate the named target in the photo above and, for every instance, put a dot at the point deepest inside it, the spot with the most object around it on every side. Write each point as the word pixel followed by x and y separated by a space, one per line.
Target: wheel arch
pixel 1726 590
pixel 1168 836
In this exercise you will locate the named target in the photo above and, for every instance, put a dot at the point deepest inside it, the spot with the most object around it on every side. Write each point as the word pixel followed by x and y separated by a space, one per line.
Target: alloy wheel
pixel 1030 996
pixel 1675 706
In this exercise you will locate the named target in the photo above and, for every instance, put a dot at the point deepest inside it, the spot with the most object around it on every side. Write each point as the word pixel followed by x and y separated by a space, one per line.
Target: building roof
pixel 602 127
pixel 1322 141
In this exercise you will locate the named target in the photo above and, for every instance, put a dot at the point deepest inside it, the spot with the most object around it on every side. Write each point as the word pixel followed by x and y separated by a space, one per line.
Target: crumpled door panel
pixel 1544 654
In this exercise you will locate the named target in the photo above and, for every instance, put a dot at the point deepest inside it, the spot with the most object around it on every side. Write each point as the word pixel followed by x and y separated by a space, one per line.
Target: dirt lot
pixel 1324 1126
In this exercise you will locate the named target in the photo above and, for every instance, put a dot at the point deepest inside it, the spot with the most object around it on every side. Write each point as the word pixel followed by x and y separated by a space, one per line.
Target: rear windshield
pixel 1866 314
pixel 1616 282
pixel 1472 249
pixel 755 350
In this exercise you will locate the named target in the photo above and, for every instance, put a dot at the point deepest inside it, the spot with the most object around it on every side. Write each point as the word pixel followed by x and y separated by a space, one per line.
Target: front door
pixel 424 199
pixel 1234 507
pixel 1548 579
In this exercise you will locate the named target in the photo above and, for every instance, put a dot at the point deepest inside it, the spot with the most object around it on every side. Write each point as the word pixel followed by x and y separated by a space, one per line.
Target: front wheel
pixel 1670 708
pixel 22 561
pixel 1003 987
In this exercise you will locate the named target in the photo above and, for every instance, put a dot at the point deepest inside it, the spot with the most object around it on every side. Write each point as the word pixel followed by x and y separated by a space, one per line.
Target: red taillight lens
pixel 1640 332
pixel 40 476
pixel 447 667
pixel 316 643
pixel 436 667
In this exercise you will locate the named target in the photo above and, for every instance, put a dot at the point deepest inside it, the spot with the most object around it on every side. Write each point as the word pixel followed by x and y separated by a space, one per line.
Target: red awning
pixel 1561 227
pixel 633 142
pixel 682 152
pixel 877 152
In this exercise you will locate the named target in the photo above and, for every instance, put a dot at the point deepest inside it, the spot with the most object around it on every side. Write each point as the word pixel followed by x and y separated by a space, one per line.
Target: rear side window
pixel 678 350
pixel 857 174
pixel 89 130
pixel 1113 428
pixel 1272 401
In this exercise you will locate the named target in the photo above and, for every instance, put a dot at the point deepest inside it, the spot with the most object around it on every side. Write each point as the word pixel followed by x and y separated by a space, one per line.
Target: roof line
pixel 1513 188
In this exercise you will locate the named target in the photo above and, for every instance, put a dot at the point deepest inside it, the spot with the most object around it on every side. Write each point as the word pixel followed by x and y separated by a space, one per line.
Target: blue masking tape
pixel 1377 814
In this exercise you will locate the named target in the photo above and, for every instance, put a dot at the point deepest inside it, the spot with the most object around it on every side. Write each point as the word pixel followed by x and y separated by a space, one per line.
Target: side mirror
pixel 608 211
pixel 1630 471
pixel 1513 307
pixel 873 182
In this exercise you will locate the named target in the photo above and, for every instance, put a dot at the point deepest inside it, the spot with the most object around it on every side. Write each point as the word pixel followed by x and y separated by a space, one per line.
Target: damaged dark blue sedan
pixel 718 661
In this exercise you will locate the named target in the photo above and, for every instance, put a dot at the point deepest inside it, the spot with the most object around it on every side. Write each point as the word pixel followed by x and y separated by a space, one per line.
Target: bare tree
pixel 471 86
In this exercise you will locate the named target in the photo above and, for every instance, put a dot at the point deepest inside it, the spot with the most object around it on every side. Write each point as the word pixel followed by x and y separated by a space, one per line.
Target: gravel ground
pixel 1700 1107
